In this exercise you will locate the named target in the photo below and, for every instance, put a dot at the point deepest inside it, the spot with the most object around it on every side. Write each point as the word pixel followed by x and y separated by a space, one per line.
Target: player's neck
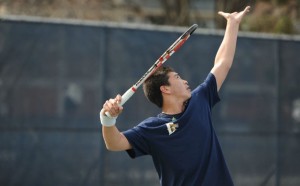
pixel 173 107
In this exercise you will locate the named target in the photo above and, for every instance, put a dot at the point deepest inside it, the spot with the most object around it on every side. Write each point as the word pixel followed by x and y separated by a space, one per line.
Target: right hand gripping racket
pixel 161 60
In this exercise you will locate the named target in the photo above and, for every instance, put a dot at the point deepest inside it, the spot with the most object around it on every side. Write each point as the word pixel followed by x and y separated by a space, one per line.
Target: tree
pixel 176 12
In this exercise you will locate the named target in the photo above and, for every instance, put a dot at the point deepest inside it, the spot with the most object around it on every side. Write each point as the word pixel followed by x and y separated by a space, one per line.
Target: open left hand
pixel 235 16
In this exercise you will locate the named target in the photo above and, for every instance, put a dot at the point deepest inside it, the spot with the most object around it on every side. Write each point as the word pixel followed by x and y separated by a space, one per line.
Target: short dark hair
pixel 152 85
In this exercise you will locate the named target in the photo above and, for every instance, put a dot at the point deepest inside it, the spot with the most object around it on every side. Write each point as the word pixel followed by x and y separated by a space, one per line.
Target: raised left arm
pixel 225 54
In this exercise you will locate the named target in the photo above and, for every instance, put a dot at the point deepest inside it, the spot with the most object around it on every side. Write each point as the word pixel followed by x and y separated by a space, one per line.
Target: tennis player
pixel 181 139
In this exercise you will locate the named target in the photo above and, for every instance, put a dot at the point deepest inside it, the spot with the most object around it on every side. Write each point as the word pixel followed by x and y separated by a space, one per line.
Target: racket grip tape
pixel 125 98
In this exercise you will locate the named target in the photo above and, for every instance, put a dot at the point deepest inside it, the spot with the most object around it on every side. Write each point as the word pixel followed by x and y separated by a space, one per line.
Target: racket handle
pixel 125 98
pixel 127 95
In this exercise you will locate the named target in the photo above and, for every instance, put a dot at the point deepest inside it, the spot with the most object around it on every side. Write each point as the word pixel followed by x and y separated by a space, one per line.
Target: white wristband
pixel 107 121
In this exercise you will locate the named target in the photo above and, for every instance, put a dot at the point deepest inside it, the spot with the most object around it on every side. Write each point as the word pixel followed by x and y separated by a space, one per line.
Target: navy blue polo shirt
pixel 184 147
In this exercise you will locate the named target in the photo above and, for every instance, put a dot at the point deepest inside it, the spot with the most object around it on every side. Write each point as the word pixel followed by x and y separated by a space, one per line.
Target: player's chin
pixel 189 94
pixel 189 91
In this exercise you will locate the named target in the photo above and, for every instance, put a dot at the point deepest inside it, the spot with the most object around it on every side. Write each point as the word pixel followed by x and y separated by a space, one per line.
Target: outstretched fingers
pixel 235 15
pixel 245 11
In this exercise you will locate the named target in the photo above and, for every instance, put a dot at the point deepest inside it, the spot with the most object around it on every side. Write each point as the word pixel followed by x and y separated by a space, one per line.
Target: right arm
pixel 113 138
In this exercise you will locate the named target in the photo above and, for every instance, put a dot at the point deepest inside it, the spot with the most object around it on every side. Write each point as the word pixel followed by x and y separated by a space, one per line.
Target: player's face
pixel 179 87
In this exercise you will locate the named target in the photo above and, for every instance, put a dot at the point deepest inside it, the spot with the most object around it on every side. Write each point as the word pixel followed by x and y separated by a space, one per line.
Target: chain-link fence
pixel 55 76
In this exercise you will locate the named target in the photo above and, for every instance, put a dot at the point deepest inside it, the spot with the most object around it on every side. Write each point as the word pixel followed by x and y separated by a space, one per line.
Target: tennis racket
pixel 161 60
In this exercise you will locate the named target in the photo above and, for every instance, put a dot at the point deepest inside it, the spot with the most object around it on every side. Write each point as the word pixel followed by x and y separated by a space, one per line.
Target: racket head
pixel 161 60
pixel 190 31
pixel 167 54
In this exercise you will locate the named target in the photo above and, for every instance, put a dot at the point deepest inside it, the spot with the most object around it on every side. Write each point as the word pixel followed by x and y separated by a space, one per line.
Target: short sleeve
pixel 210 90
pixel 137 141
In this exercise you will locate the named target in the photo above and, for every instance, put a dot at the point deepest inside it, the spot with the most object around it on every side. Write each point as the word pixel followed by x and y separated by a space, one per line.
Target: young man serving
pixel 181 139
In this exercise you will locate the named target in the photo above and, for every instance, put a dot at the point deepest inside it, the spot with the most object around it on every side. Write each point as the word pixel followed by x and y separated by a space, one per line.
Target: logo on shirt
pixel 172 127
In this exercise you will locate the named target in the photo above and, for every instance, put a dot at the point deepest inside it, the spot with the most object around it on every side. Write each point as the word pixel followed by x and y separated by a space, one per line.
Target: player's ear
pixel 165 89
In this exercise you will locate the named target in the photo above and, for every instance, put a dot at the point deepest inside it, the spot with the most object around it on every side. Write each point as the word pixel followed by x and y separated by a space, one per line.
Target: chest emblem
pixel 172 127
